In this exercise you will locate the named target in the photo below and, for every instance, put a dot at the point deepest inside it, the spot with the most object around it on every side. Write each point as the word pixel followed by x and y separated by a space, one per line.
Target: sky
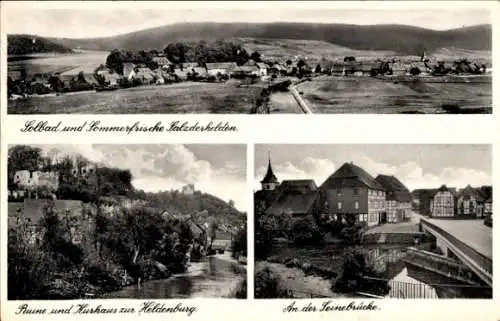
pixel 219 170
pixel 119 18
pixel 417 166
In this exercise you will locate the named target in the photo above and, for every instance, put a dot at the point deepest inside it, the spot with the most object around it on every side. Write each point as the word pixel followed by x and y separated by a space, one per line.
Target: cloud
pixel 317 169
pixel 410 173
pixel 165 167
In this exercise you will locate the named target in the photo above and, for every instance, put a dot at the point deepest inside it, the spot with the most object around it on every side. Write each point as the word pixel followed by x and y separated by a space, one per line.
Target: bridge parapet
pixel 480 263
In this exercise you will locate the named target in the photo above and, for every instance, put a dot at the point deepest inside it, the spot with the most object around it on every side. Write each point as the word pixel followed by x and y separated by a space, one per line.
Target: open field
pixel 51 63
pixel 326 95
pixel 186 98
pixel 282 49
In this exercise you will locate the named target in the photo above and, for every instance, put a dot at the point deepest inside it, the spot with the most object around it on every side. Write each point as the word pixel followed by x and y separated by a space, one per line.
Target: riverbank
pixel 211 278
pixel 298 283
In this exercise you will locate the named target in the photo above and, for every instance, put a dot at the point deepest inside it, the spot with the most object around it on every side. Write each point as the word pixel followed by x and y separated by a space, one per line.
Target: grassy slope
pixel 179 98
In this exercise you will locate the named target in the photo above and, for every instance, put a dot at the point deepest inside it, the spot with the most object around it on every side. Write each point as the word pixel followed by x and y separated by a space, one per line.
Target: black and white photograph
pixel 278 58
pixel 373 221
pixel 126 221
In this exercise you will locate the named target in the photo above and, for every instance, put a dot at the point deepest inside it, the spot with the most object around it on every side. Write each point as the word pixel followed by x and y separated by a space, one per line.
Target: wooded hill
pixel 400 38
pixel 27 44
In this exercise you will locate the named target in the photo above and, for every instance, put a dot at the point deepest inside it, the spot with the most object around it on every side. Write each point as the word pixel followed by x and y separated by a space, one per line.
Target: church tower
pixel 270 182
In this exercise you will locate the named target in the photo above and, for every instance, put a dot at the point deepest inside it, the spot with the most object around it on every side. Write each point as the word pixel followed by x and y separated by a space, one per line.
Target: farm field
pixel 364 95
pixel 86 61
pixel 186 98
pixel 282 49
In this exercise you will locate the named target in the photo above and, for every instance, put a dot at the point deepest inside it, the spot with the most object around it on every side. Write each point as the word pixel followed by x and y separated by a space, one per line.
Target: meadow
pixel 186 97
pixel 33 64
pixel 363 95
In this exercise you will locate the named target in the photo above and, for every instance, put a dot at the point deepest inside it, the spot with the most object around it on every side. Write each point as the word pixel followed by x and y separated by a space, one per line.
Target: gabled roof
pixel 350 175
pixel 293 203
pixel 128 68
pixel 298 186
pixel 444 188
pixel 395 190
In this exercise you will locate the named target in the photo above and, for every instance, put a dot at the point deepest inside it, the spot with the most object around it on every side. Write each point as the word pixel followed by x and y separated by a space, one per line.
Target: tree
pixel 22 157
pixel 239 244
pixel 414 71
pixel 352 276
pixel 305 231
pixel 301 64
pixel 349 59
pixel 115 60
pixel 256 56
pixel 288 62
pixel 81 78
pixel 318 69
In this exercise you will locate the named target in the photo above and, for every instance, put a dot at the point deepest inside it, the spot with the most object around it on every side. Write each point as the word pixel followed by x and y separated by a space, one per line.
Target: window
pixel 355 191
pixel 339 205
pixel 356 205
pixel 339 192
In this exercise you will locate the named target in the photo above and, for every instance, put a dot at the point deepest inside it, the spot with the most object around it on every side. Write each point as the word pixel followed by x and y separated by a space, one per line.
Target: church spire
pixel 269 182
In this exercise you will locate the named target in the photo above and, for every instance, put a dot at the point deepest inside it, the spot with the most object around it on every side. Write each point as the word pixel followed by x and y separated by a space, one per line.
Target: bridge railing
pixel 441 265
pixel 482 261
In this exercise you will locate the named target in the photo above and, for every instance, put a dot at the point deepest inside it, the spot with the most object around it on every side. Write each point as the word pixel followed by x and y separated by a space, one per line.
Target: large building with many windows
pixel 351 194
pixel 397 198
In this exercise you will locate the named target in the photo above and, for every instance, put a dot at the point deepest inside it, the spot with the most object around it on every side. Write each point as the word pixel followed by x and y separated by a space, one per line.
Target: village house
pixel 189 65
pixel 162 61
pixel 110 78
pixel 262 68
pixel 198 72
pixel 129 70
pixel 397 198
pixel 351 194
pixel 246 71
pixel 145 75
pixel 222 241
pixel 475 202
pixel 222 68
pixel 443 203
pixel 277 69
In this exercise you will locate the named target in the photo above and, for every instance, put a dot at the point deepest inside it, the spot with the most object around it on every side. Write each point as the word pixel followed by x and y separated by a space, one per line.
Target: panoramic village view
pixel 377 221
pixel 126 221
pixel 266 67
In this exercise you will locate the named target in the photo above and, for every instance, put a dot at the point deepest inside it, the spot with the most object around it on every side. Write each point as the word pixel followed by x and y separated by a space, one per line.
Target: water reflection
pixel 213 277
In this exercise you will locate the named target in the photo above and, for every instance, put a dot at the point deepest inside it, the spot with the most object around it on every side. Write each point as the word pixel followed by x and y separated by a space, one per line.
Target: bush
pixel 268 285
pixel 239 244
pixel 241 290
pixel 353 279
pixel 488 221
pixel 305 231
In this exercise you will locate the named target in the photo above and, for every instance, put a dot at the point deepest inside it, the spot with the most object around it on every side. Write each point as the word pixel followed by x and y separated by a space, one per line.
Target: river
pixel 405 280
pixel 215 277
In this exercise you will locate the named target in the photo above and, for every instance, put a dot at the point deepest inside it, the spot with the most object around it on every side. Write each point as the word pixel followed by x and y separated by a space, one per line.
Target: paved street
pixel 403 227
pixel 472 232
